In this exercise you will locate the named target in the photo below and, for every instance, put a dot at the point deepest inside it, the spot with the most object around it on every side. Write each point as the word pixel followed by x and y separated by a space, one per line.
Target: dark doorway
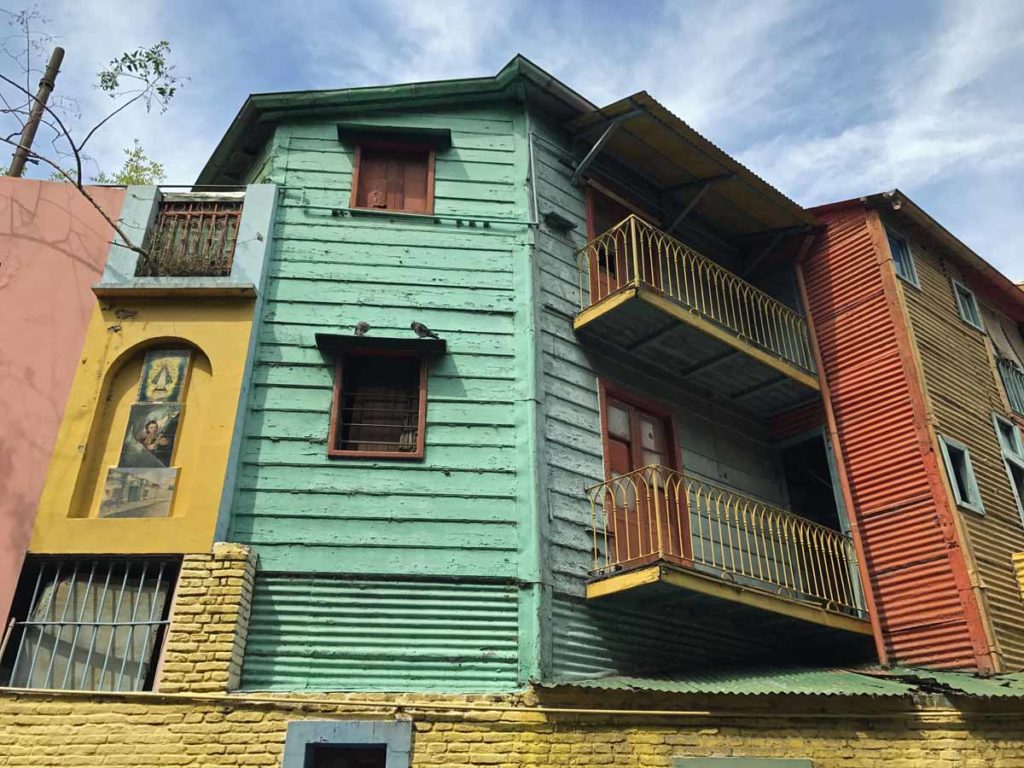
pixel 812 493
pixel 337 756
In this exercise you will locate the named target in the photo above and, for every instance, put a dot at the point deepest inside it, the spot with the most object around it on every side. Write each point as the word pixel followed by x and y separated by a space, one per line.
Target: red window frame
pixel 421 425
pixel 607 391
pixel 397 148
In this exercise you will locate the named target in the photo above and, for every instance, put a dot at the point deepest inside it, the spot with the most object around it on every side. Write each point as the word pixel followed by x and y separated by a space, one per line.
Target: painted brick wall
pixel 209 621
pixel 70 730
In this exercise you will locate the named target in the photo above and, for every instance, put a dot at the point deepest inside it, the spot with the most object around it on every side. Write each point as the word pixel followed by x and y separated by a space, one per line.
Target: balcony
pixel 191 237
pixel 1013 383
pixel 645 295
pixel 656 526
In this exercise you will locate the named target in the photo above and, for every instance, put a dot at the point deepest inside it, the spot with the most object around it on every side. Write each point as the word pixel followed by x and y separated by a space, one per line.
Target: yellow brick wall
pixel 45 729
pixel 209 618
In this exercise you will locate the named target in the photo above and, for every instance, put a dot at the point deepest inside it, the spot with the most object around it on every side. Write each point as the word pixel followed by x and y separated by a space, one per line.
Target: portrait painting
pixel 138 492
pixel 150 436
pixel 164 375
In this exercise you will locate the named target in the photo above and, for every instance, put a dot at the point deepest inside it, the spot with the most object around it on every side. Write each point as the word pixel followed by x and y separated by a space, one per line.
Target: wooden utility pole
pixel 28 133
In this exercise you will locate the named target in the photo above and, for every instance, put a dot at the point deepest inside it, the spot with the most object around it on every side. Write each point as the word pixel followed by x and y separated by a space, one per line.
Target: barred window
pixel 88 624
pixel 379 407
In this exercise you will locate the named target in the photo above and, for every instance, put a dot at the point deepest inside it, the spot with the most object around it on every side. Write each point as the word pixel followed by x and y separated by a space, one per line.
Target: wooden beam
pixel 697 183
pixel 765 252
pixel 689 207
pixel 600 144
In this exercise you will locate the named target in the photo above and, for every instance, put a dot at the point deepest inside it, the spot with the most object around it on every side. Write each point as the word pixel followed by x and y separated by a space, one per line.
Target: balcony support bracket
pixel 689 207
pixel 599 145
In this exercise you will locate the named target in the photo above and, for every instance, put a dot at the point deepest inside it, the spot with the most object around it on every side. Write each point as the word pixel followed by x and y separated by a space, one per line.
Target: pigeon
pixel 422 331
pixel 362 327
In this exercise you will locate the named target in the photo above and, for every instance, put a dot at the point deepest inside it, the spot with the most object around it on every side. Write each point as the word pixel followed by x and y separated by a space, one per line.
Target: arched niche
pixel 110 424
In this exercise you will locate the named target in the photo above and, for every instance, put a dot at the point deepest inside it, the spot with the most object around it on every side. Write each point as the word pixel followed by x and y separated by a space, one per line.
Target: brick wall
pixel 39 729
pixel 204 647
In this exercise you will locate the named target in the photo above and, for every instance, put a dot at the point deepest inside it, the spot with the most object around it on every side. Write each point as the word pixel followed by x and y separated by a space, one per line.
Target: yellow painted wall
pixel 92 430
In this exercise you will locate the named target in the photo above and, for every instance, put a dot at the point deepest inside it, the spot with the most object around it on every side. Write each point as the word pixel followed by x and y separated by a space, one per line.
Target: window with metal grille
pixel 379 408
pixel 393 177
pixel 88 624
pixel 192 238
pixel 967 305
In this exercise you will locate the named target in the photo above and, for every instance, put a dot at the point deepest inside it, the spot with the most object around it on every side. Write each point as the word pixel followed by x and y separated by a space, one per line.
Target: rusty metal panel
pixel 964 392
pixel 921 611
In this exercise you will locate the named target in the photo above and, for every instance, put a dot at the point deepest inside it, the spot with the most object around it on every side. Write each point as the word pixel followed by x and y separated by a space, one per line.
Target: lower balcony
pixel 649 299
pixel 658 531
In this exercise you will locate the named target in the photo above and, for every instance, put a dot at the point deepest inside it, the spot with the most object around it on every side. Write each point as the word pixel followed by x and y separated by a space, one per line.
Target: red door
pixel 611 258
pixel 646 507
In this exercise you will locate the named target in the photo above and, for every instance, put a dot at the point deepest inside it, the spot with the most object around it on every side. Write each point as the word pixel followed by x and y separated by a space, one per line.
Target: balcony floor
pixel 678 586
pixel 642 323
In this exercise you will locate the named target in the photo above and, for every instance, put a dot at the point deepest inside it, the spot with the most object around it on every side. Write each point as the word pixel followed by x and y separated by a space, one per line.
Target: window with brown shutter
pixel 393 177
pixel 379 408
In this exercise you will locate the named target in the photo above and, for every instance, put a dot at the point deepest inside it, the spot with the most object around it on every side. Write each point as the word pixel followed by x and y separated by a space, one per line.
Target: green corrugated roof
pixel 802 682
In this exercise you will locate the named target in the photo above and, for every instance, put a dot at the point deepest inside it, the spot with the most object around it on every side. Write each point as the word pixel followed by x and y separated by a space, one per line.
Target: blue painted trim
pixel 138 212
pixel 252 254
pixel 394 735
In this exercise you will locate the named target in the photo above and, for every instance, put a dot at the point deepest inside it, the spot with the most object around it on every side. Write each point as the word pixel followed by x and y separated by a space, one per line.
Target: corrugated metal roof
pixel 800 682
pixel 964 683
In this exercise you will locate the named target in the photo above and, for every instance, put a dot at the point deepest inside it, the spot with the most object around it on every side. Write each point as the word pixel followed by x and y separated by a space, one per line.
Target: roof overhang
pixel 690 171
pixel 520 80
pixel 1000 290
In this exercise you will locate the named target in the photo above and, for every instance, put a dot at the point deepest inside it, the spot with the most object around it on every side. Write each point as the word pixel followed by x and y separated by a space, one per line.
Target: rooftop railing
pixel 634 253
pixel 658 514
pixel 192 237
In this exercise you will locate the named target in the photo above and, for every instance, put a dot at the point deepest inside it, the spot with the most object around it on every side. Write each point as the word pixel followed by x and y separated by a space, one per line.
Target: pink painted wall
pixel 53 245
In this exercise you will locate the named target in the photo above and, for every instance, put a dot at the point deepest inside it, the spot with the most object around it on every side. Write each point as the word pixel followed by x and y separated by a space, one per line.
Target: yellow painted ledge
pixel 92 428
pixel 682 314
pixel 708 585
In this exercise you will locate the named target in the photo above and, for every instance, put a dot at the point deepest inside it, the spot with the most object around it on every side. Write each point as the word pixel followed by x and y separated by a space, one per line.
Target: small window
pixel 88 625
pixel 380 404
pixel 902 258
pixel 392 177
pixel 1011 443
pixel 344 756
pixel 961 475
pixel 967 305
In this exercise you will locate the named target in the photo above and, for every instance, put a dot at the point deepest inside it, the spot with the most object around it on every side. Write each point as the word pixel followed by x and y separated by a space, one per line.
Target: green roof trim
pixel 1008 686
pixel 791 682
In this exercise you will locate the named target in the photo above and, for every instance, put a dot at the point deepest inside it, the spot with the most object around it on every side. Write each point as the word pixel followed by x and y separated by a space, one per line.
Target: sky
pixel 827 101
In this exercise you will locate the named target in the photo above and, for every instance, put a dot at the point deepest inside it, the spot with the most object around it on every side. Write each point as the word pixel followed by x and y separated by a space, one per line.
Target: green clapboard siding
pixel 379 574
pixel 324 633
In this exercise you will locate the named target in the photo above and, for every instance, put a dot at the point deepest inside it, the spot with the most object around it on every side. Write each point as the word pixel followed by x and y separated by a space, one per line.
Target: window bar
pixel 96 628
pixel 151 629
pixel 49 607
pixel 131 629
pixel 21 640
pixel 59 628
pixel 113 629
pixel 78 627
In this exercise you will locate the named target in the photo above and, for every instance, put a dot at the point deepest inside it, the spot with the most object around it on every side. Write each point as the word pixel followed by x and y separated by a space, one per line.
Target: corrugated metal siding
pixel 964 392
pixel 798 421
pixel 322 633
pixel 921 611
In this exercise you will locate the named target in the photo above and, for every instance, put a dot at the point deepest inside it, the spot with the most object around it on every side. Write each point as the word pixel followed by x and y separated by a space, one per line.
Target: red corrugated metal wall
pixel 924 611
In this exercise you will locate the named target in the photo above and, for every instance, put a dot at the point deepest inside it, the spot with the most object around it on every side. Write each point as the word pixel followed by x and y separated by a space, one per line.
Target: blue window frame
pixel 308 741
pixel 902 258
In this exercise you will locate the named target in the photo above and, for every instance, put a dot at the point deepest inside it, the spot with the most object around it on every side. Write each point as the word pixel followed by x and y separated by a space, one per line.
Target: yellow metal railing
pixel 633 253
pixel 657 514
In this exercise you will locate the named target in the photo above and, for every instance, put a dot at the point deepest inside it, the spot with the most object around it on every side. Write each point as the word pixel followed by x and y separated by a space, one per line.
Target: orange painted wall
pixel 53 245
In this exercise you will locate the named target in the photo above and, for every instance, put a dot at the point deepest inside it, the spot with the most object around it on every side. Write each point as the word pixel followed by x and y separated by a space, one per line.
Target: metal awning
pixel 692 172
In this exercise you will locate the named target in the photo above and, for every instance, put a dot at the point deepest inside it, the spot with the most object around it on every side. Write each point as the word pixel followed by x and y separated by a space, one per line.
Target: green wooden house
pixel 612 460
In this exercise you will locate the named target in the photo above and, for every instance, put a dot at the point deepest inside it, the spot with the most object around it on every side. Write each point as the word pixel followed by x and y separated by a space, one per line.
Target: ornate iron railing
pixel 192 238
pixel 633 253
pixel 1013 383
pixel 657 514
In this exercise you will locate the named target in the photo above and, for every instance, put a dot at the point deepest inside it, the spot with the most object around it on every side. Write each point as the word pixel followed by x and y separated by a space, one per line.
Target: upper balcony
pixel 647 295
pixel 656 528
pixel 192 243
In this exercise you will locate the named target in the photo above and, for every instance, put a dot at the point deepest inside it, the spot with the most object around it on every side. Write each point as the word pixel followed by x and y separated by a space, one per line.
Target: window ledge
pixel 170 287
pixel 972 508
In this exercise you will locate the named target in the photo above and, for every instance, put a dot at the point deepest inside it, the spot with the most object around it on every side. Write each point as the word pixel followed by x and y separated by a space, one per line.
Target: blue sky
pixel 825 100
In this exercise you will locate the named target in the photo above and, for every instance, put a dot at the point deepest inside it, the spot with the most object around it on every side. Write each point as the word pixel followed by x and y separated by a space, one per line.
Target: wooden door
pixel 648 505
pixel 610 260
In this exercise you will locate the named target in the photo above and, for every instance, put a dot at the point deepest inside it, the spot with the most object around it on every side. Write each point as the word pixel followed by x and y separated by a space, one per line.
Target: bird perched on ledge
pixel 422 331
pixel 362 327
